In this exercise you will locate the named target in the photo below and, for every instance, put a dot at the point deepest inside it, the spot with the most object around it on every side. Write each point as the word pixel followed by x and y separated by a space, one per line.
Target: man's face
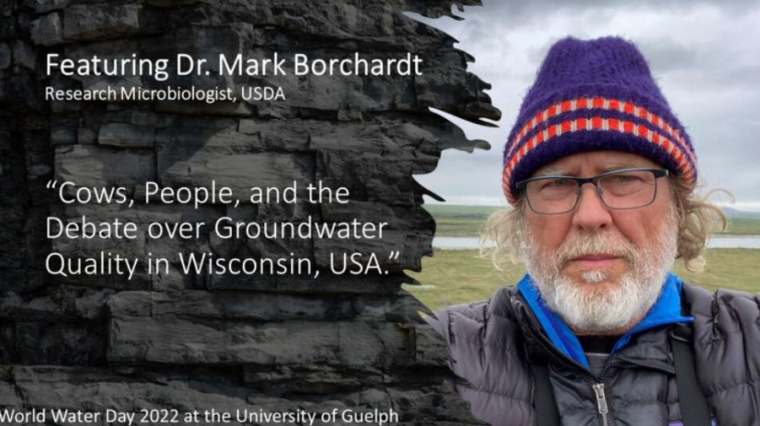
pixel 599 268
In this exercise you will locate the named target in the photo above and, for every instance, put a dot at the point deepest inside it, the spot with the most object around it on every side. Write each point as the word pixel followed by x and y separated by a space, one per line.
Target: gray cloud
pixel 667 55
pixel 528 12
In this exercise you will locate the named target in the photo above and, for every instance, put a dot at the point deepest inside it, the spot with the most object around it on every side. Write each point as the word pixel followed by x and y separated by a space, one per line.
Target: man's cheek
pixel 548 233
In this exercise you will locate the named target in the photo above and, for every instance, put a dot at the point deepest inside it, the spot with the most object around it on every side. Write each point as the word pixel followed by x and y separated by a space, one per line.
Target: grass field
pixel 467 221
pixel 459 276
pixel 743 227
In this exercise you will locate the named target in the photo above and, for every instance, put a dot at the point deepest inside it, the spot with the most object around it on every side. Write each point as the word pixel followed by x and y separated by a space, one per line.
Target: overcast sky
pixel 704 55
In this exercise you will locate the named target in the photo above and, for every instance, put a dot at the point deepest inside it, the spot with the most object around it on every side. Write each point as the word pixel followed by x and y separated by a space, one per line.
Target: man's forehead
pixel 598 161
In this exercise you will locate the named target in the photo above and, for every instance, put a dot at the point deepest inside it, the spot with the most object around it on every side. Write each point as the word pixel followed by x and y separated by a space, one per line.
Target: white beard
pixel 589 311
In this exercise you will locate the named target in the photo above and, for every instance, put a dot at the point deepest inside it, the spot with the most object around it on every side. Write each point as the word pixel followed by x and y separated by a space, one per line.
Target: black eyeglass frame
pixel 658 173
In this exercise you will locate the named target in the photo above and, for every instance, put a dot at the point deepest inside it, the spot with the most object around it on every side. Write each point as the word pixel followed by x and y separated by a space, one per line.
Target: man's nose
pixel 591 214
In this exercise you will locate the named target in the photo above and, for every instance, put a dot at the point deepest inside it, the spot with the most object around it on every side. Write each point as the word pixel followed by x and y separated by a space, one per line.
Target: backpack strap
pixel 547 413
pixel 693 404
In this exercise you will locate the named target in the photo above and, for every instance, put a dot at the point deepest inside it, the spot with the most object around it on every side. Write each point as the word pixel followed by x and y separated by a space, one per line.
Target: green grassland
pixel 467 221
pixel 743 227
pixel 459 276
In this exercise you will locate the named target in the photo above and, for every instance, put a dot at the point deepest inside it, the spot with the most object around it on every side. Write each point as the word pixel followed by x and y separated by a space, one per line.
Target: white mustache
pixel 597 244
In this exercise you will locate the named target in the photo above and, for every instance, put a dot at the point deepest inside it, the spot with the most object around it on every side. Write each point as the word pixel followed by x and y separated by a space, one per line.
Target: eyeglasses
pixel 624 189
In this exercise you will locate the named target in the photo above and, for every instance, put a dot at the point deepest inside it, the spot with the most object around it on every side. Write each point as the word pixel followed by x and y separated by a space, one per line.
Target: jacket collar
pixel 666 310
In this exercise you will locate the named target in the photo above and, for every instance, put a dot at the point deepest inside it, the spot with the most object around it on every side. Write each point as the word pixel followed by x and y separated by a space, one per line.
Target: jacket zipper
pixel 598 388
pixel 601 402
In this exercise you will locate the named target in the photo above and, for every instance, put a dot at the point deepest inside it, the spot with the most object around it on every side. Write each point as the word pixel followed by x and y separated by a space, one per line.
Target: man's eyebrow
pixel 618 166
pixel 558 171
pixel 552 171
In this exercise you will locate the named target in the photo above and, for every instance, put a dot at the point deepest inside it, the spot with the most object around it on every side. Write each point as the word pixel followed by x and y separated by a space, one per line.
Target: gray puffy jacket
pixel 490 343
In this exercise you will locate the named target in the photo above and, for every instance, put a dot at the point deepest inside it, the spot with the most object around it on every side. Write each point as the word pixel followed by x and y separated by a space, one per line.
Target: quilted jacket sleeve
pixel 480 348
pixel 727 352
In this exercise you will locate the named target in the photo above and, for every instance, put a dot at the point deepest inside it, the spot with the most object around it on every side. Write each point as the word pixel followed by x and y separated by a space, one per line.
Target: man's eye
pixel 626 178
pixel 557 183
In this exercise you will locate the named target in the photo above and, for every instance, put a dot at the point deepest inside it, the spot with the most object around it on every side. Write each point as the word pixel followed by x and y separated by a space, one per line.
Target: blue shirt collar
pixel 667 310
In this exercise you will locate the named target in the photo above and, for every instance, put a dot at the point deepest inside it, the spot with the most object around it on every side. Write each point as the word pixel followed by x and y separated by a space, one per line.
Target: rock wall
pixel 195 342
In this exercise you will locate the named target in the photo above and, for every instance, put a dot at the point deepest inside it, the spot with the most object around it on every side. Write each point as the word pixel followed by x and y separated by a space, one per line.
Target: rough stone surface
pixel 97 167
pixel 98 21
pixel 5 56
pixel 25 54
pixel 198 341
pixel 44 6
pixel 63 136
pixel 126 136
pixel 48 30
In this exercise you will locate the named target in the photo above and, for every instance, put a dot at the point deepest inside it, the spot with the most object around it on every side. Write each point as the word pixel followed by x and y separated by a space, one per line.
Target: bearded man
pixel 601 175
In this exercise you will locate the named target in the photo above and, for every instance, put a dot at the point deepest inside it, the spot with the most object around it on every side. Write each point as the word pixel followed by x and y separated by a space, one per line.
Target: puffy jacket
pixel 490 344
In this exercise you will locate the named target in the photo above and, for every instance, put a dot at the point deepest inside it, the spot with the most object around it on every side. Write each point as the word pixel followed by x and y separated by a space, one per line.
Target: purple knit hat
pixel 589 96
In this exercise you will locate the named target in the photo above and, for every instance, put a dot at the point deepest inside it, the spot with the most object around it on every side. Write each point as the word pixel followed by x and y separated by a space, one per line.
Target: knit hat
pixel 589 96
